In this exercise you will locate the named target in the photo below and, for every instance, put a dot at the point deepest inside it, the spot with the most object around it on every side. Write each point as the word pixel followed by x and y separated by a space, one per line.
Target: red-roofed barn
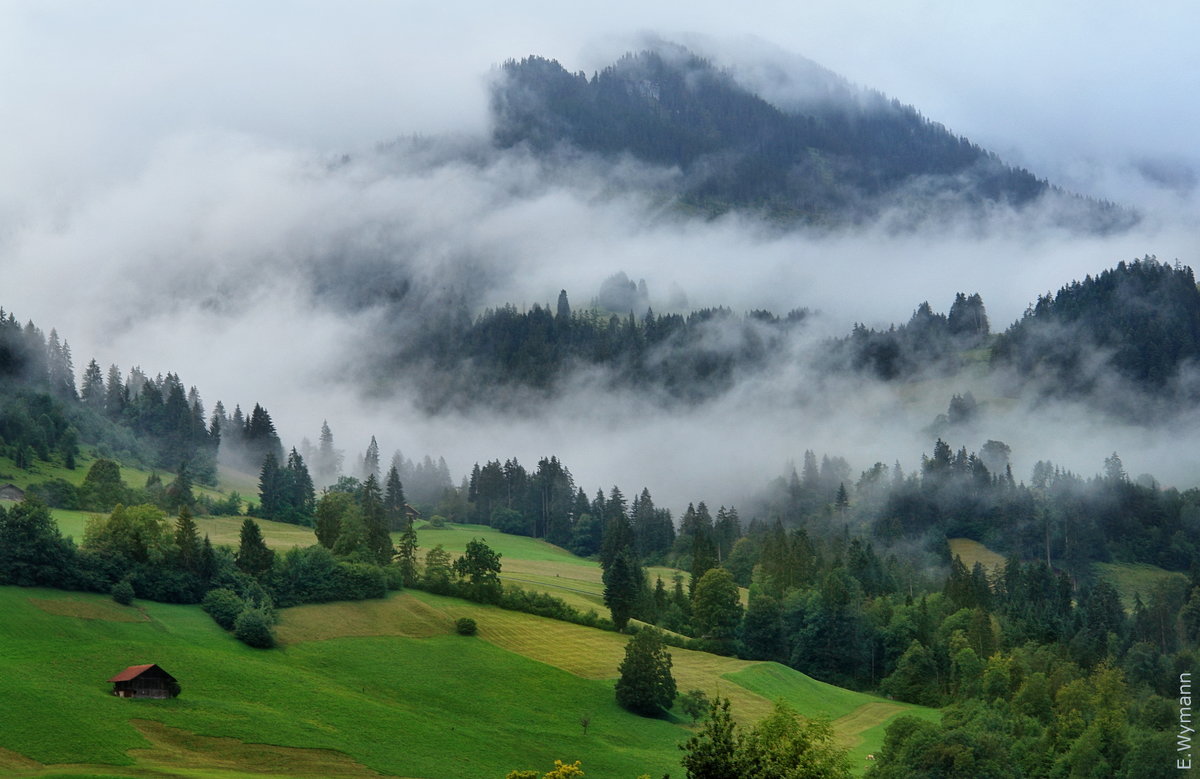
pixel 144 681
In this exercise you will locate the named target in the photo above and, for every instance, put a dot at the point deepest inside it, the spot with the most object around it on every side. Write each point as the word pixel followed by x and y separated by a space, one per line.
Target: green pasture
pixel 1133 579
pixel 355 689
pixel 438 706
pixel 971 552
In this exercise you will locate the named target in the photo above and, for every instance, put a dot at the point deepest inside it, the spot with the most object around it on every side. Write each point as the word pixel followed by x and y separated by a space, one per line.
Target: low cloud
pixel 261 265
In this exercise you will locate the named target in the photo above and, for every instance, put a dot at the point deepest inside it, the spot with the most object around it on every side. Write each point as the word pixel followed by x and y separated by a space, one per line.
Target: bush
pixel 57 493
pixel 359 581
pixel 224 606
pixel 253 628
pixel 466 626
pixel 122 592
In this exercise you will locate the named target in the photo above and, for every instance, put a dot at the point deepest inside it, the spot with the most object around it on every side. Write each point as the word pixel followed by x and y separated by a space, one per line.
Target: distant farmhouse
pixel 11 492
pixel 144 681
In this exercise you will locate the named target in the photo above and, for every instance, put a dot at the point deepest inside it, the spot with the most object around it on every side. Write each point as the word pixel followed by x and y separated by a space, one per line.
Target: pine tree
pixel 179 492
pixel 116 395
pixel 328 465
pixel 406 554
pixel 393 500
pixel 187 541
pixel 298 499
pixel 270 488
pixel 379 542
pixel 370 466
pixel 623 585
pixel 93 391
pixel 207 565
pixel 562 313
pixel 253 556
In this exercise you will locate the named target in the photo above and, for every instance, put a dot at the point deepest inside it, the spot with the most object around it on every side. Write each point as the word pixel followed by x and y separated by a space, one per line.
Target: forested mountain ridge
pixel 841 156
pixel 1143 316
pixel 1135 325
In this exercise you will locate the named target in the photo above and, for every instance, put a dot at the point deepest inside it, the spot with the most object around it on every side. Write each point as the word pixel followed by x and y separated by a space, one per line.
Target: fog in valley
pixel 270 205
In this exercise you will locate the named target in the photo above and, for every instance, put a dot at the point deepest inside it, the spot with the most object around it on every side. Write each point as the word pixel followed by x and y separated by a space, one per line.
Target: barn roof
pixel 133 672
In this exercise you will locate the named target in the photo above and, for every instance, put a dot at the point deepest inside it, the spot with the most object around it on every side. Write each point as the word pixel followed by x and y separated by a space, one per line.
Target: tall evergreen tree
pixel 116 394
pixel 187 541
pixel 297 491
pixel 371 460
pixel 253 555
pixel 328 464
pixel 406 554
pixel 271 500
pixel 379 542
pixel 393 500
pixel 93 391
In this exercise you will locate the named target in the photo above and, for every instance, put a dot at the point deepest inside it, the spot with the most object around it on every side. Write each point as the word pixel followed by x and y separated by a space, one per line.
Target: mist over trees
pixel 841 156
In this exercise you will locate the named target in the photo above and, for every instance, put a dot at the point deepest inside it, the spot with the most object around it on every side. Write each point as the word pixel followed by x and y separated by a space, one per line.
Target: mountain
pixel 830 153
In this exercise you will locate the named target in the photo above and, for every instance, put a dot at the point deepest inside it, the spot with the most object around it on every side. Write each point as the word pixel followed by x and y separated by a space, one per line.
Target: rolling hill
pixel 356 689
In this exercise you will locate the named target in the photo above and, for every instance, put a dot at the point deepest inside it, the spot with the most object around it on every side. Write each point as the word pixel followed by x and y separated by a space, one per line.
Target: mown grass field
pixel 433 692
pixel 534 564
pixel 355 689
pixel 438 706
pixel 1133 579
pixel 972 552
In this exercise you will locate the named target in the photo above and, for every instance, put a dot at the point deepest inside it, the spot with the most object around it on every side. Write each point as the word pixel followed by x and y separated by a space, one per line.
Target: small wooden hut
pixel 144 681
pixel 11 492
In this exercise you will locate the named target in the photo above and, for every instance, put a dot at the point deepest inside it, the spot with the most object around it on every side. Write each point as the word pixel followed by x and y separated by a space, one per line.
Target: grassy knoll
pixel 1133 579
pixel 530 563
pixel 356 688
pixel 280 536
pixel 972 552
pixel 439 706
pixel 536 565
pixel 859 720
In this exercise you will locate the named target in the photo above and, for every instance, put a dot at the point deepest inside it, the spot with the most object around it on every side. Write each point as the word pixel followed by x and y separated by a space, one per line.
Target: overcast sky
pixel 161 172
pixel 1063 87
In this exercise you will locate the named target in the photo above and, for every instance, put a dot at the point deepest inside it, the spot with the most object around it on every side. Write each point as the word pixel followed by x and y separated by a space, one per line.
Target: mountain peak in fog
pixel 819 151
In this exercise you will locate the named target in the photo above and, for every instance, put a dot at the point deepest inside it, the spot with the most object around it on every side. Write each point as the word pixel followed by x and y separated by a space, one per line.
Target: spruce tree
pixel 116 394
pixel 298 497
pixel 187 541
pixel 207 567
pixel 406 554
pixel 253 556
pixel 379 542
pixel 370 466
pixel 623 585
pixel 270 488
pixel 93 391
pixel 393 500
pixel 328 463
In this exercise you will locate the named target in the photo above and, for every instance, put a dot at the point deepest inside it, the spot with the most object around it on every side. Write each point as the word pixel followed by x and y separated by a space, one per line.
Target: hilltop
pixel 834 154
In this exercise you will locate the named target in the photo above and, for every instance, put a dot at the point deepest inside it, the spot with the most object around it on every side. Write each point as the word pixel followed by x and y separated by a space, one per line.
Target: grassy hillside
pixel 357 688
pixel 972 552
pixel 1133 579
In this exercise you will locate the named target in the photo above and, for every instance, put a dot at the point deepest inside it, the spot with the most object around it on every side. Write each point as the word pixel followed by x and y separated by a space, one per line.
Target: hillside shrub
pixel 122 592
pixel 359 581
pixel 466 626
pixel 224 606
pixel 253 628
pixel 56 493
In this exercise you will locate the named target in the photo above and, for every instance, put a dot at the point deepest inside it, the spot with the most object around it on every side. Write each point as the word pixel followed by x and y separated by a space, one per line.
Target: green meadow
pixel 356 689
pixel 366 688
pixel 1134 579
